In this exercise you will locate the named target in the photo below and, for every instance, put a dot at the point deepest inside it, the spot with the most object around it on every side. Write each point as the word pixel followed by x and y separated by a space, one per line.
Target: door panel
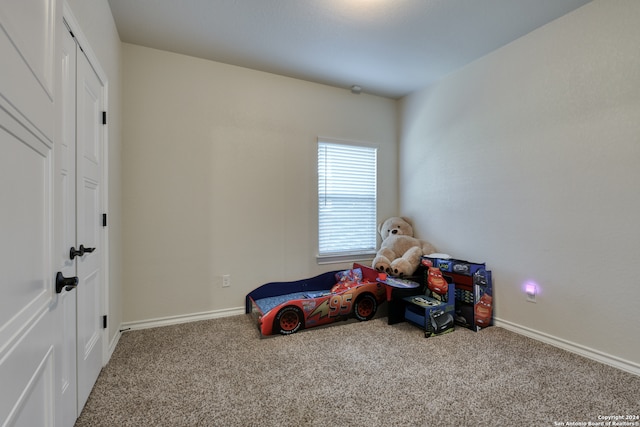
pixel 31 404
pixel 26 330
pixel 38 409
pixel 65 231
pixel 24 214
pixel 89 226
pixel 27 116
pixel 27 335
pixel 28 66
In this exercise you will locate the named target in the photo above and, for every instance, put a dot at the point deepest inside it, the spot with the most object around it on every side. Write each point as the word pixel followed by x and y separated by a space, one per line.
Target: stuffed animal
pixel 400 252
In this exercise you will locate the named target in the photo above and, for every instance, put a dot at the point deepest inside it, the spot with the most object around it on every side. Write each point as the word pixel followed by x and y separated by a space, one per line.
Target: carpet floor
pixel 221 373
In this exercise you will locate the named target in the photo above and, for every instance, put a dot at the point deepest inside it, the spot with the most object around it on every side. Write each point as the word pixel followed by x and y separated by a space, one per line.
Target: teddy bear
pixel 400 252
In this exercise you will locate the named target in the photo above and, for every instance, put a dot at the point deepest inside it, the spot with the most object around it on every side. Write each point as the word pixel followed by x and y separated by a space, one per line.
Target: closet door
pixel 65 233
pixel 89 151
pixel 78 229
pixel 29 328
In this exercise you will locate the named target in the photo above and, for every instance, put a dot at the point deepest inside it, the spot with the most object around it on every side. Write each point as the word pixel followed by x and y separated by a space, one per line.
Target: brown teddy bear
pixel 400 252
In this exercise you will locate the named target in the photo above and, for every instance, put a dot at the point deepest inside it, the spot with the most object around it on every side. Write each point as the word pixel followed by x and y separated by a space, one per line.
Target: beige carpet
pixel 221 373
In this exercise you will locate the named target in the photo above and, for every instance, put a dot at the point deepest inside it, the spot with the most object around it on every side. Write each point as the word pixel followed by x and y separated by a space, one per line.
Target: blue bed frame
pixel 321 282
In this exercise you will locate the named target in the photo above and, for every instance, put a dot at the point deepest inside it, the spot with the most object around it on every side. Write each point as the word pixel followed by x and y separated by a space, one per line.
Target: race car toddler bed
pixel 287 307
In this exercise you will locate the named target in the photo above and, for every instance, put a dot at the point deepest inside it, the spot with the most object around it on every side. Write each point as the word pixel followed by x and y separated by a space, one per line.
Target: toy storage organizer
pixel 473 290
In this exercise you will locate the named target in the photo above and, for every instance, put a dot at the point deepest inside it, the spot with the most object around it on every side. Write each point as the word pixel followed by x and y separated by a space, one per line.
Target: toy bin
pixel 432 312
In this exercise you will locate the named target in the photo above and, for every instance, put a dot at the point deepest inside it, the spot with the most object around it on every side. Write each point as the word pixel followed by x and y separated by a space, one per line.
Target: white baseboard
pixel 581 350
pixel 112 347
pixel 185 318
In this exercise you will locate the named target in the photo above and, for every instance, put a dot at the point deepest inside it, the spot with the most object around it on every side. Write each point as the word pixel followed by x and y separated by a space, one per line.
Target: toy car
pixel 435 281
pixel 287 307
pixel 483 310
pixel 440 322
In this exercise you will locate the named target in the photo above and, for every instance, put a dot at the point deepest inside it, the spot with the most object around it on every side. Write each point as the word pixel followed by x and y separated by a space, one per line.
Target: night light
pixel 530 289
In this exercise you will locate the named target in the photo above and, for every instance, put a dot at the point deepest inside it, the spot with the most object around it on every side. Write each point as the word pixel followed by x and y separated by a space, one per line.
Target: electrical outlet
pixel 226 280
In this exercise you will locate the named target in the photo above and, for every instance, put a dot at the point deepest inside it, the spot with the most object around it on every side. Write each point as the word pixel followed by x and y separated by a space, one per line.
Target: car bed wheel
pixel 365 307
pixel 288 320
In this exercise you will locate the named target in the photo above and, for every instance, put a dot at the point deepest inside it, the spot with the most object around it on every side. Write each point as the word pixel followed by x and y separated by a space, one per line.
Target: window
pixel 346 200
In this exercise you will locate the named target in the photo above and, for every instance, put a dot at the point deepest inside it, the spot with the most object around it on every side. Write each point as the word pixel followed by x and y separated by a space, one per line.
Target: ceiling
pixel 387 47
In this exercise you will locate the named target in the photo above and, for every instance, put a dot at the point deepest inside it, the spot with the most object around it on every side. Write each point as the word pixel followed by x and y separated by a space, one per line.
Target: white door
pixel 89 104
pixel 50 200
pixel 78 228
pixel 65 231
pixel 29 331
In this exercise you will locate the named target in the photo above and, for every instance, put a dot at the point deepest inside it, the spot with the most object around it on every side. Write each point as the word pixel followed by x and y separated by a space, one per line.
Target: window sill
pixel 342 258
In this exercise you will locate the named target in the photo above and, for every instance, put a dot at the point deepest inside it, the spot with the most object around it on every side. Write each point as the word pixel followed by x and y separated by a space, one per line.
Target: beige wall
pixel 528 159
pixel 96 22
pixel 219 178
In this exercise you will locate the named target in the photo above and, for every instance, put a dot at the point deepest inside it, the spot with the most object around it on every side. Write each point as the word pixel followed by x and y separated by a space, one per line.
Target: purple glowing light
pixel 531 288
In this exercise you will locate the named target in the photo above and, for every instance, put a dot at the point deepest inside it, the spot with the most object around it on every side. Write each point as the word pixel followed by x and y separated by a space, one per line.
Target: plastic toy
pixel 287 307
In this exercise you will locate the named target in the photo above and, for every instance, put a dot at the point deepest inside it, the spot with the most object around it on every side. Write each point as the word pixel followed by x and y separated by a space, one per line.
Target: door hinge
pixel 104 219
pixel 104 322
pixel 104 117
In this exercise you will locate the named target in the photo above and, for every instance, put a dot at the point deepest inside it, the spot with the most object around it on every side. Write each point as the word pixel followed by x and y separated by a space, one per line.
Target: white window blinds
pixel 346 199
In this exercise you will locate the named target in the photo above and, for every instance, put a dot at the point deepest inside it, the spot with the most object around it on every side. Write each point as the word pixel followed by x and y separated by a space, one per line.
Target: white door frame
pixel 74 26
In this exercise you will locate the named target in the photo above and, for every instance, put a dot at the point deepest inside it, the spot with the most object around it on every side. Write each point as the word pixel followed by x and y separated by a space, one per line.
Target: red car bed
pixel 287 307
